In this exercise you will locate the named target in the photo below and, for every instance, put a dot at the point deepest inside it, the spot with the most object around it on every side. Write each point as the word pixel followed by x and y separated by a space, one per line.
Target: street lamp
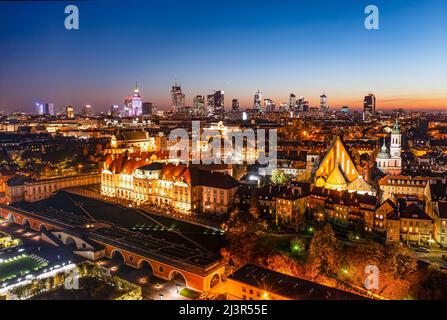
pixel 161 296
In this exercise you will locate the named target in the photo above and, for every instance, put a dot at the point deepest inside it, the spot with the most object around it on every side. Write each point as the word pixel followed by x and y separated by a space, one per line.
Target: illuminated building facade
pixel 198 106
pixel 133 104
pixel 391 162
pixel 337 171
pixel 69 112
pixel 87 111
pixel 257 102
pixel 183 187
pixel 369 104
pixel 177 98
pixel 404 187
pixel 132 141
pixel 323 103
pixel 215 104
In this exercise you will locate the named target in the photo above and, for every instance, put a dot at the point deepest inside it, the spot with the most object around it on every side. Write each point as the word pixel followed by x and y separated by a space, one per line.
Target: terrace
pixel 19 266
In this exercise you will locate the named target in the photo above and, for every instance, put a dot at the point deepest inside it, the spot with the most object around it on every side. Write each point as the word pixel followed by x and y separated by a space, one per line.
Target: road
pixel 434 257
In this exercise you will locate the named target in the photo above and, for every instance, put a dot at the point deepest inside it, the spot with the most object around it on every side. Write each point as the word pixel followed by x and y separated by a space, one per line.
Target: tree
pixel 279 177
pixel 297 246
pixel 400 261
pixel 432 287
pixel 323 251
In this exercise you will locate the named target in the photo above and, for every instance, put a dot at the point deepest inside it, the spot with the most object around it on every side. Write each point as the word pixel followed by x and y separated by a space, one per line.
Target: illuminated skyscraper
pixel 177 98
pixel 292 101
pixel 215 104
pixel 269 105
pixel 69 112
pixel 198 106
pixel 235 106
pixel 134 104
pixel 369 104
pixel 49 108
pixel 300 104
pixel 257 102
pixel 39 108
pixel 323 103
pixel 115 111
pixel 87 111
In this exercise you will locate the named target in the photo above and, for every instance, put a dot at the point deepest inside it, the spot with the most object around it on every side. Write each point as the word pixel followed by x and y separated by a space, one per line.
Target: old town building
pixel 186 188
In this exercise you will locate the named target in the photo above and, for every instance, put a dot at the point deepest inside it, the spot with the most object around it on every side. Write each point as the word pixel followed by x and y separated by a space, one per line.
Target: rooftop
pixel 288 286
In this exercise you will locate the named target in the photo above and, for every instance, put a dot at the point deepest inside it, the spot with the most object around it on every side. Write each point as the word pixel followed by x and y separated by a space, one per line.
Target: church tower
pixel 391 163
pixel 396 141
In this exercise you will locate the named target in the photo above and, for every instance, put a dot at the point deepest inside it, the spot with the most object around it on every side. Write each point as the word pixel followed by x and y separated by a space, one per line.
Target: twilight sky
pixel 300 46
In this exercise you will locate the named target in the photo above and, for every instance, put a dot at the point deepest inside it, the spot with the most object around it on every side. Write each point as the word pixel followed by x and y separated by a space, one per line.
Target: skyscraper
pixel 147 109
pixel 292 101
pixel 198 106
pixel 300 104
pixel 257 102
pixel 115 111
pixel 87 111
pixel 269 105
pixel 369 104
pixel 323 103
pixel 134 104
pixel 177 98
pixel 215 104
pixel 235 105
pixel 69 112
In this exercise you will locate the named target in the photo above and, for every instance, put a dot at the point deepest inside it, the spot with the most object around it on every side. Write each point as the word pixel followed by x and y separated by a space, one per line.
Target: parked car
pixel 422 249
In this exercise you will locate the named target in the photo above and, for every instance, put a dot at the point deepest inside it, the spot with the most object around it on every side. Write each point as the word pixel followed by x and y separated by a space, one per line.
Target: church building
pixel 390 162
pixel 337 171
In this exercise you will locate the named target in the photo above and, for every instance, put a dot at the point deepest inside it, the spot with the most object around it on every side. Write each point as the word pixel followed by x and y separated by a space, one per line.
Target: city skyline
pixel 237 47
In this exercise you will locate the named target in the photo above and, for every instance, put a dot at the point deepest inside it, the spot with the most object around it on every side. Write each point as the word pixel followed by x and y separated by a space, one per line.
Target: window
pixel 251 291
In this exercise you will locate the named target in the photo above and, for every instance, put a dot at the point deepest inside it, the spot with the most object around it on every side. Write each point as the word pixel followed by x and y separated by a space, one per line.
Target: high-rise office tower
pixel 39 108
pixel 147 109
pixel 45 109
pixel 115 111
pixel 49 108
pixel 69 112
pixel 215 104
pixel 269 105
pixel 369 104
pixel 177 98
pixel 300 104
pixel 134 104
pixel 292 101
pixel 87 111
pixel 198 106
pixel 235 105
pixel 305 106
pixel 257 102
pixel 323 103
